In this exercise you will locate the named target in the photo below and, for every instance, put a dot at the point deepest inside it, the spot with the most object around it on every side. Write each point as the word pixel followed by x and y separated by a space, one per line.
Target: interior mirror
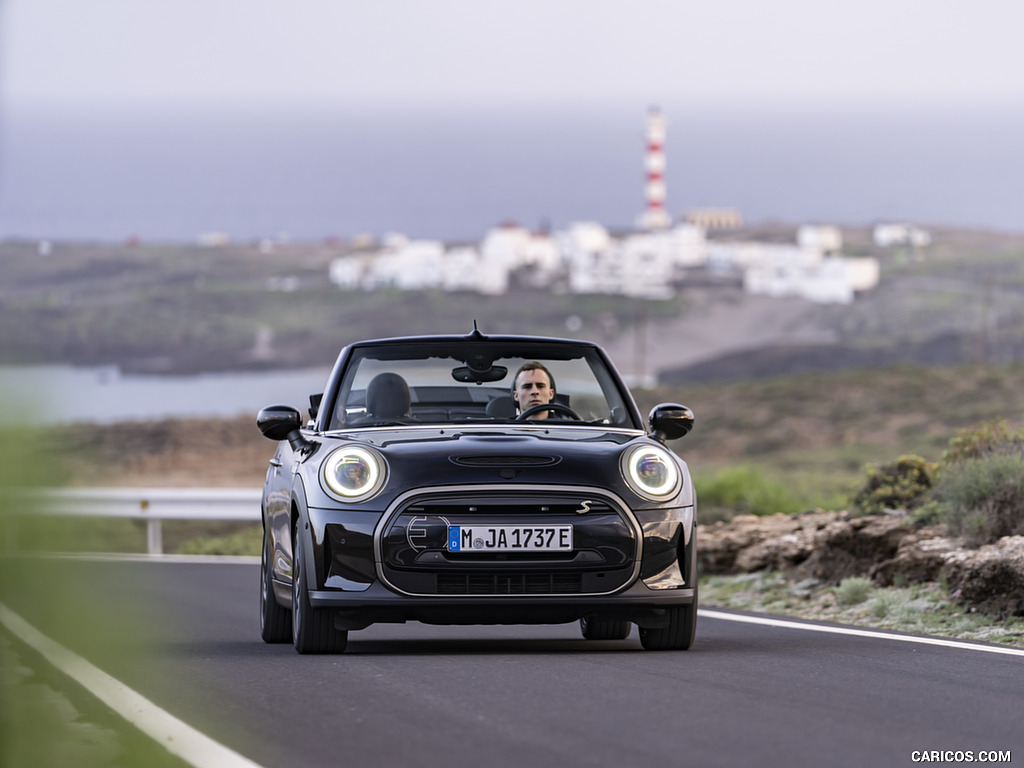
pixel 466 374
pixel 670 421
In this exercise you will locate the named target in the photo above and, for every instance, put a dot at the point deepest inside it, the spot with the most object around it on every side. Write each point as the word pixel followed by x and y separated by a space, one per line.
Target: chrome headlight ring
pixel 651 472
pixel 354 473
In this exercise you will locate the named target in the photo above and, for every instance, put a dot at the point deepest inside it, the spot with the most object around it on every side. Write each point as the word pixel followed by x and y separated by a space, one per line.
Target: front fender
pixel 301 525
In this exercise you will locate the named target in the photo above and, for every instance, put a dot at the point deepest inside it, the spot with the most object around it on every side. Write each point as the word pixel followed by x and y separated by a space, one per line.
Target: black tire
pixel 596 628
pixel 678 635
pixel 275 621
pixel 312 630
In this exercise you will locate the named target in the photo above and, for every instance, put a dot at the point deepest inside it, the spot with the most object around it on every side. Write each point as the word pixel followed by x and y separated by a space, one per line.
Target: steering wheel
pixel 553 406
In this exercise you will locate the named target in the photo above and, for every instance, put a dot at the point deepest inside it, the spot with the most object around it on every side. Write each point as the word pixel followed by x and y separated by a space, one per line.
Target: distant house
pixel 715 218
pixel 821 239
pixel 888 235
pixel 833 280
pixel 586 258
pixel 645 264
pixel 811 269
pixel 460 272
pixel 510 248
pixel 213 240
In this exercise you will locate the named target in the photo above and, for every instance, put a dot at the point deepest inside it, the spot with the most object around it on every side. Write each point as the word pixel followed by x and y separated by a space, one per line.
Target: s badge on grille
pixel 584 507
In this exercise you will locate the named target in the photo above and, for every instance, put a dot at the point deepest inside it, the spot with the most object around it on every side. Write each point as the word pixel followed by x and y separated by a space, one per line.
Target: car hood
pixel 528 455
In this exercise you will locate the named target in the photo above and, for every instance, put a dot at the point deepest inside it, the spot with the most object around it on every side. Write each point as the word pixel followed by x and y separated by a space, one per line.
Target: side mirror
pixel 670 421
pixel 278 421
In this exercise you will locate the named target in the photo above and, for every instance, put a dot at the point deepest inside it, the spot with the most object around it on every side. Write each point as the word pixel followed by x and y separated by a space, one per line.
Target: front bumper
pixel 628 564
pixel 377 604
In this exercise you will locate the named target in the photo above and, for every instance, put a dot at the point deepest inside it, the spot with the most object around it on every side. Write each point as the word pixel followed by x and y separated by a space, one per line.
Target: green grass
pixel 246 540
pixel 853 590
pixel 743 489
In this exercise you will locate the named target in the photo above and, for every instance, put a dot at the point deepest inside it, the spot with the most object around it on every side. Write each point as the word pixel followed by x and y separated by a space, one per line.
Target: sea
pixel 65 394
pixel 173 175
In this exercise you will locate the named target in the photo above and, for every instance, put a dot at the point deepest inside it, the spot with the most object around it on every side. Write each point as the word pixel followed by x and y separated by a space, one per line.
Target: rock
pixel 851 547
pixel 828 546
pixel 749 543
pixel 831 546
pixel 920 557
pixel 990 578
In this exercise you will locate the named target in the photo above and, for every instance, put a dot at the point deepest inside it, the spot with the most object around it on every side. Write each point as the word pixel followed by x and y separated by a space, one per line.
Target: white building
pixel 832 280
pixel 347 272
pixel 644 264
pixel 744 255
pixel 811 269
pixel 510 248
pixel 862 272
pixel 888 235
pixel 821 239
pixel 587 259
pixel 460 269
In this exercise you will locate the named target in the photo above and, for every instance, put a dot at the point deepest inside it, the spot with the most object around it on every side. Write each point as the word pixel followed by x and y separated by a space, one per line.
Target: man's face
pixel 533 388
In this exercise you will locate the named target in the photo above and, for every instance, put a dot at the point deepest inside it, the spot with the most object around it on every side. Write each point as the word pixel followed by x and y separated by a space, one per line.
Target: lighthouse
pixel 654 215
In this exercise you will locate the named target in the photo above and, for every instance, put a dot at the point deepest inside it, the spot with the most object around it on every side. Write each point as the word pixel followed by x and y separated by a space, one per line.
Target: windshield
pixel 478 383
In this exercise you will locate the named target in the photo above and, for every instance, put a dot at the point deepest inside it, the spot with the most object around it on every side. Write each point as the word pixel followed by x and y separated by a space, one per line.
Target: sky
pixel 472 111
pixel 495 53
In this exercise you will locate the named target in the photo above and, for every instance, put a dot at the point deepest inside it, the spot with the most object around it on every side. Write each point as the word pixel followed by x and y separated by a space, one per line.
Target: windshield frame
pixel 479 353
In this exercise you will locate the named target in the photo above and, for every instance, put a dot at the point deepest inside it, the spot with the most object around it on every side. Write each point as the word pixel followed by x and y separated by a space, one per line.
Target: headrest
pixel 387 396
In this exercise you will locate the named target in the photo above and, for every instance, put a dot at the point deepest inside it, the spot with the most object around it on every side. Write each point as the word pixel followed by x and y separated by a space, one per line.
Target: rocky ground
pixel 819 552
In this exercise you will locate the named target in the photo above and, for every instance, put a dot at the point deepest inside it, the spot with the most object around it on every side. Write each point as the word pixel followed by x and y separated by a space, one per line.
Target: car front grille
pixel 509 584
pixel 415 558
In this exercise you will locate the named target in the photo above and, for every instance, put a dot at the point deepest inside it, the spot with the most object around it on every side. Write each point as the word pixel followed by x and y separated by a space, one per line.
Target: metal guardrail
pixel 154 505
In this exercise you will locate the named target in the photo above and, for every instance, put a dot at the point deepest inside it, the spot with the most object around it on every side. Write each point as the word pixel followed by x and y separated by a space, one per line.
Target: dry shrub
pixel 983 498
pixel 902 484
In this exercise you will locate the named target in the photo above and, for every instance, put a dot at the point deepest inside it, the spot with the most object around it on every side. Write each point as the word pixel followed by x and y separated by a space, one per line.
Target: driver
pixel 533 385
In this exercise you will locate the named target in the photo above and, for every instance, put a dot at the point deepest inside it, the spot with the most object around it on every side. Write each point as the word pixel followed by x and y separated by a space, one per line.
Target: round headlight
pixel 651 472
pixel 354 473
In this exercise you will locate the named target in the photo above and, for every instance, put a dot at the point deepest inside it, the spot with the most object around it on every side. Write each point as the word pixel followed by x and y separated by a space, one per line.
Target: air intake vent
pixel 509 583
pixel 505 461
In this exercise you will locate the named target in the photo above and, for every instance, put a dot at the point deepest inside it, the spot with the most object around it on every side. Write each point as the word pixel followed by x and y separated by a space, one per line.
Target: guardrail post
pixel 154 535
pixel 154 531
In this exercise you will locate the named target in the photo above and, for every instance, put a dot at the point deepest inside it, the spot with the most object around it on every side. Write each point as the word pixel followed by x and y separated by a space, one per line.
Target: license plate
pixel 509 538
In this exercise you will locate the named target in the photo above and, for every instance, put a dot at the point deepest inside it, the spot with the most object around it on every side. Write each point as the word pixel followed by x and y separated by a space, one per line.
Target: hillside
pixel 177 309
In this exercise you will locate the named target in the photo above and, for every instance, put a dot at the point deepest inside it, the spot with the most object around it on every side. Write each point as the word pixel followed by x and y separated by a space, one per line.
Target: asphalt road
pixel 186 636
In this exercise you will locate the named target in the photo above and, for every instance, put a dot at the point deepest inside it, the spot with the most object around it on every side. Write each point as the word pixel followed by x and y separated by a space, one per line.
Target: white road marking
pixel 175 735
pixel 850 631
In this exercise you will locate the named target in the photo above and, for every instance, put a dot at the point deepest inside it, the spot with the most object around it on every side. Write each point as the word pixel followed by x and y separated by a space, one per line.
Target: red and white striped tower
pixel 655 216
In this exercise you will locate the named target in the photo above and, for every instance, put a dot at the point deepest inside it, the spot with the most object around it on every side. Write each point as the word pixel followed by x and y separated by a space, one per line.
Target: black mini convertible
pixel 427 487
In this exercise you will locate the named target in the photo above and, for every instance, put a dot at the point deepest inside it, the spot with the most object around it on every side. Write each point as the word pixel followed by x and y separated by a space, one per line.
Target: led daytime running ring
pixel 354 473
pixel 651 472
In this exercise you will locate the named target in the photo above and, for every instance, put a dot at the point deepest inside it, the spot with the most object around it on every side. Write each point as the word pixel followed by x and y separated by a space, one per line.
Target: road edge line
pixel 870 633
pixel 176 736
